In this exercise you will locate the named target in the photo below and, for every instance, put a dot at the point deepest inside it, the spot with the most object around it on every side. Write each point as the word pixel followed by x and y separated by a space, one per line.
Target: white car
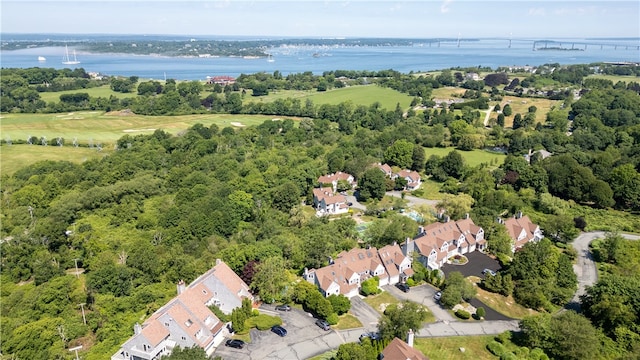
pixel 437 296
pixel 488 271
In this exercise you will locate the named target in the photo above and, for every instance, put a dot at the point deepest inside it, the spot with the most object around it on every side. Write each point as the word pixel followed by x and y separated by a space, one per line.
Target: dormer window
pixel 188 323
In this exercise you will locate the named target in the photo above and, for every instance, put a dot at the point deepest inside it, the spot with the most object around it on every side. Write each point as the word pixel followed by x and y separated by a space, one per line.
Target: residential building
pixel 385 168
pixel 400 350
pixel 412 177
pixel 327 203
pixel 438 242
pixel 521 230
pixel 334 178
pixel 543 154
pixel 186 320
pixel 350 268
pixel 222 80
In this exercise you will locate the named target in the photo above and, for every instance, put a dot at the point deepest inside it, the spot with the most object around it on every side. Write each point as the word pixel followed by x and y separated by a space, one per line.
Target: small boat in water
pixel 42 58
pixel 67 60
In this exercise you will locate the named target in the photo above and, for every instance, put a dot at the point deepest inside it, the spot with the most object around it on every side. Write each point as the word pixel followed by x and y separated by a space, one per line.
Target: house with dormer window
pixel 437 242
pixel 186 320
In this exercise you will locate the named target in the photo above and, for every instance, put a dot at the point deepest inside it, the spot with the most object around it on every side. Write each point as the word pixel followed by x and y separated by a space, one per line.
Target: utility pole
pixel 84 319
pixel 76 350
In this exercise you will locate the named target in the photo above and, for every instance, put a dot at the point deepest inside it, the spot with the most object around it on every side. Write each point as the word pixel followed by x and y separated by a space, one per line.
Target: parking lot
pixel 477 262
pixel 304 339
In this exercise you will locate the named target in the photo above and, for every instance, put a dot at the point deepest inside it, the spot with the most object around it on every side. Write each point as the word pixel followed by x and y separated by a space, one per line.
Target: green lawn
pixel 103 127
pixel 448 348
pixel 102 91
pixel 381 301
pixel 14 157
pixel 615 78
pixel 347 321
pixel 472 158
pixel 358 95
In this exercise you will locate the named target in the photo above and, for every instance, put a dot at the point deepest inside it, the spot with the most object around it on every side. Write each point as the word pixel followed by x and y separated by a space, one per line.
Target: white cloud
pixel 537 12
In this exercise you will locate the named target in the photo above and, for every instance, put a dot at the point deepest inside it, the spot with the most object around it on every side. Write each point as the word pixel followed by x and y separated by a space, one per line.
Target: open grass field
pixel 521 105
pixel 97 126
pixel 471 158
pixel 102 91
pixel 448 348
pixel 447 92
pixel 615 78
pixel 363 95
pixel 358 95
pixel 14 157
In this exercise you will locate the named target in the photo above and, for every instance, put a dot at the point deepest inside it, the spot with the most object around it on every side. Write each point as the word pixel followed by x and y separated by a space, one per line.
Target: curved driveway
pixel 585 267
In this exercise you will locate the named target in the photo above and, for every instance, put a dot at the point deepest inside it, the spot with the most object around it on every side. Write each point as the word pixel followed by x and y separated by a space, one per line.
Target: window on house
pixel 188 323
pixel 184 338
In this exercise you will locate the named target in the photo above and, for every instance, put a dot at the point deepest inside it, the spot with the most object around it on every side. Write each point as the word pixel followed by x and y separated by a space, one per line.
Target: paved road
pixel 460 328
pixel 367 315
pixel 585 267
pixel 412 200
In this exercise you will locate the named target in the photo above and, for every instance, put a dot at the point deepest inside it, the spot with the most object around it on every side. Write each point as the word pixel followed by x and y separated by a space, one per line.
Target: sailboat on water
pixel 270 58
pixel 67 60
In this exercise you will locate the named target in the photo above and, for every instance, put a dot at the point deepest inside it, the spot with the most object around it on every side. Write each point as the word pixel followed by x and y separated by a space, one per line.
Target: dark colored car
pixel 235 343
pixel 370 335
pixel 323 324
pixel 279 330
pixel 402 286
pixel 283 307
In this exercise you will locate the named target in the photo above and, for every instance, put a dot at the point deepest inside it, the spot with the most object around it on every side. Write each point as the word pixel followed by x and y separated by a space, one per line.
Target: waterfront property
pixel 186 320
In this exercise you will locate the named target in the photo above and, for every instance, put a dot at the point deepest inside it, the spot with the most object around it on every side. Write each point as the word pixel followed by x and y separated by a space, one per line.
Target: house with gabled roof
pixel 412 177
pixel 437 242
pixel 350 268
pixel 521 230
pixel 186 320
pixel 385 168
pixel 400 350
pixel 335 177
pixel 327 203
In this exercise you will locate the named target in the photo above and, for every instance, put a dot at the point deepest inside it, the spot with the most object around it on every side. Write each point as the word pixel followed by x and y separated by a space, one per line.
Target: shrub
pixel 332 319
pixel 495 348
pixel 463 314
pixel 370 287
pixel 480 312
pixel 509 356
pixel 504 337
pixel 255 312
pixel 411 282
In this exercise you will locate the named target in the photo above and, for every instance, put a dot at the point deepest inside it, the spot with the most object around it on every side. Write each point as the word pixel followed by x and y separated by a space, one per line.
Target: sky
pixel 330 18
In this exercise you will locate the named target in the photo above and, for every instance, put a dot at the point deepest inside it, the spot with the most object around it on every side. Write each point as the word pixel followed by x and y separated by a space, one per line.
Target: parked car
pixel 488 271
pixel 235 343
pixel 370 335
pixel 284 307
pixel 403 287
pixel 323 324
pixel 437 296
pixel 279 330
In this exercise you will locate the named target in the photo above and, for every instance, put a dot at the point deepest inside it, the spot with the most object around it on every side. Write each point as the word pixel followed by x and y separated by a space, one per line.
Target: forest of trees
pixel 163 207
